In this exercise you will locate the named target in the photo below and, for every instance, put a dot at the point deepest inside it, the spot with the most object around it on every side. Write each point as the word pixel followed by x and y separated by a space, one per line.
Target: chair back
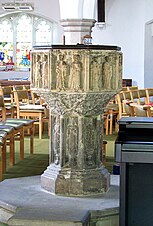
pixel 7 92
pixel 149 94
pixel 143 96
pixel 18 87
pixel 119 100
pixel 128 109
pixel 35 98
pixel 21 96
pixel 132 88
pixel 2 107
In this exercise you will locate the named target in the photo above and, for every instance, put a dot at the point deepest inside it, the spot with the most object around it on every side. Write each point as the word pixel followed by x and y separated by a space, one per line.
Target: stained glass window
pixel 19 32
pixel 6 43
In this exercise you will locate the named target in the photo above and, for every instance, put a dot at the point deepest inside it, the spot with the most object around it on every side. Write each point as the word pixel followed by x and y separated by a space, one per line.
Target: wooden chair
pixel 124 88
pixel 7 93
pixel 20 126
pixel 27 110
pixel 132 88
pixel 149 94
pixel 104 151
pixel 135 97
pixel 3 136
pixel 128 108
pixel 9 130
pixel 110 117
pixel 35 98
pixel 119 100
pixel 143 96
pixel 141 110
pixel 18 133
pixel 18 87
pixel 38 100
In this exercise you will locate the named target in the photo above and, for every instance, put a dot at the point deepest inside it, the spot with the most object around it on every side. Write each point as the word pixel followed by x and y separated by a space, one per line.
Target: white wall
pixel 148 10
pixel 125 28
pixel 148 57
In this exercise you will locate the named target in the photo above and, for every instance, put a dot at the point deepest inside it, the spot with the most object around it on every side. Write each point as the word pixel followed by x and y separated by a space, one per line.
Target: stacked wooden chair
pixel 10 128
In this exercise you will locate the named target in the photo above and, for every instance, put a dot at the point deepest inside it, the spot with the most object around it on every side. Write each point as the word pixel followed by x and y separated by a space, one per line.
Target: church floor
pixel 36 164
pixel 32 164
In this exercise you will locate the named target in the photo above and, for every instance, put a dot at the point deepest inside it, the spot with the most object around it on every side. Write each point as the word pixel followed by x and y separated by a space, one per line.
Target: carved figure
pixel 107 73
pixel 72 142
pixel 44 69
pixel 75 73
pixel 56 140
pixel 95 78
pixel 61 70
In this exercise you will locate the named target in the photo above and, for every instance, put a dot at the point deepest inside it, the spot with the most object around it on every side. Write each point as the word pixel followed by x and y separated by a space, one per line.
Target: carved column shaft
pixel 81 147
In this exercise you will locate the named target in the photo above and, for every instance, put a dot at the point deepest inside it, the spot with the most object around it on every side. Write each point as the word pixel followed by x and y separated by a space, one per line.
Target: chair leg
pixel 22 144
pixel 1 163
pixel 104 152
pixel 107 123
pixel 32 139
pixel 3 149
pixel 40 126
pixel 12 153
pixel 110 122
pixel 49 127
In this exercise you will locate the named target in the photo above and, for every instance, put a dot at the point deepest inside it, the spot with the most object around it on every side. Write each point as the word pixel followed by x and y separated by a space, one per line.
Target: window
pixel 19 32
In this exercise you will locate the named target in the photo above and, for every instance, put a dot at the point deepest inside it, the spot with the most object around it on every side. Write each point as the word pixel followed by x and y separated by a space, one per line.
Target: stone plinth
pixel 76 82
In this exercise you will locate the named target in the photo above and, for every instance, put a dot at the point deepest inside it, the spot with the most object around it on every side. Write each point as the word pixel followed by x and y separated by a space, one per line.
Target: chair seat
pixel 7 129
pixel 2 137
pixel 16 126
pixel 1 140
pixel 25 122
pixel 113 107
pixel 7 99
pixel 3 133
pixel 32 107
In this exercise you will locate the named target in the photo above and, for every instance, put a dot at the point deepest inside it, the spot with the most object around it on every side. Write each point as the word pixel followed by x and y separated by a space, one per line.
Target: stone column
pixel 76 29
pixel 77 19
pixel 76 82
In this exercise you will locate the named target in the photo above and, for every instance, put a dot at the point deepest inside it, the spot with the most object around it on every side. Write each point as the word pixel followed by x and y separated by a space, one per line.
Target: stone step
pixel 49 217
pixel 6 212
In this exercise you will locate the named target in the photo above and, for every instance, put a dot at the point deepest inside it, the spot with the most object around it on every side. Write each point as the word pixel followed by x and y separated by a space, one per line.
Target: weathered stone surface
pixel 76 70
pixel 76 83
pixel 75 182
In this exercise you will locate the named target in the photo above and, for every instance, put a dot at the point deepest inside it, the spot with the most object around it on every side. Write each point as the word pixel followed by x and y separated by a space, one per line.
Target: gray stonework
pixel 76 84
pixel 24 202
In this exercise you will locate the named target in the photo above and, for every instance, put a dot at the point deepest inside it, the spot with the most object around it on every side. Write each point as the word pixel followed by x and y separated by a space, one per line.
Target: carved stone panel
pixel 40 72
pixel 74 70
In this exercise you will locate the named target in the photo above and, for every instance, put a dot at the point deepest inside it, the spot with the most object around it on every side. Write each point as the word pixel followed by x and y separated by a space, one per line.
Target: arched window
pixel 19 32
